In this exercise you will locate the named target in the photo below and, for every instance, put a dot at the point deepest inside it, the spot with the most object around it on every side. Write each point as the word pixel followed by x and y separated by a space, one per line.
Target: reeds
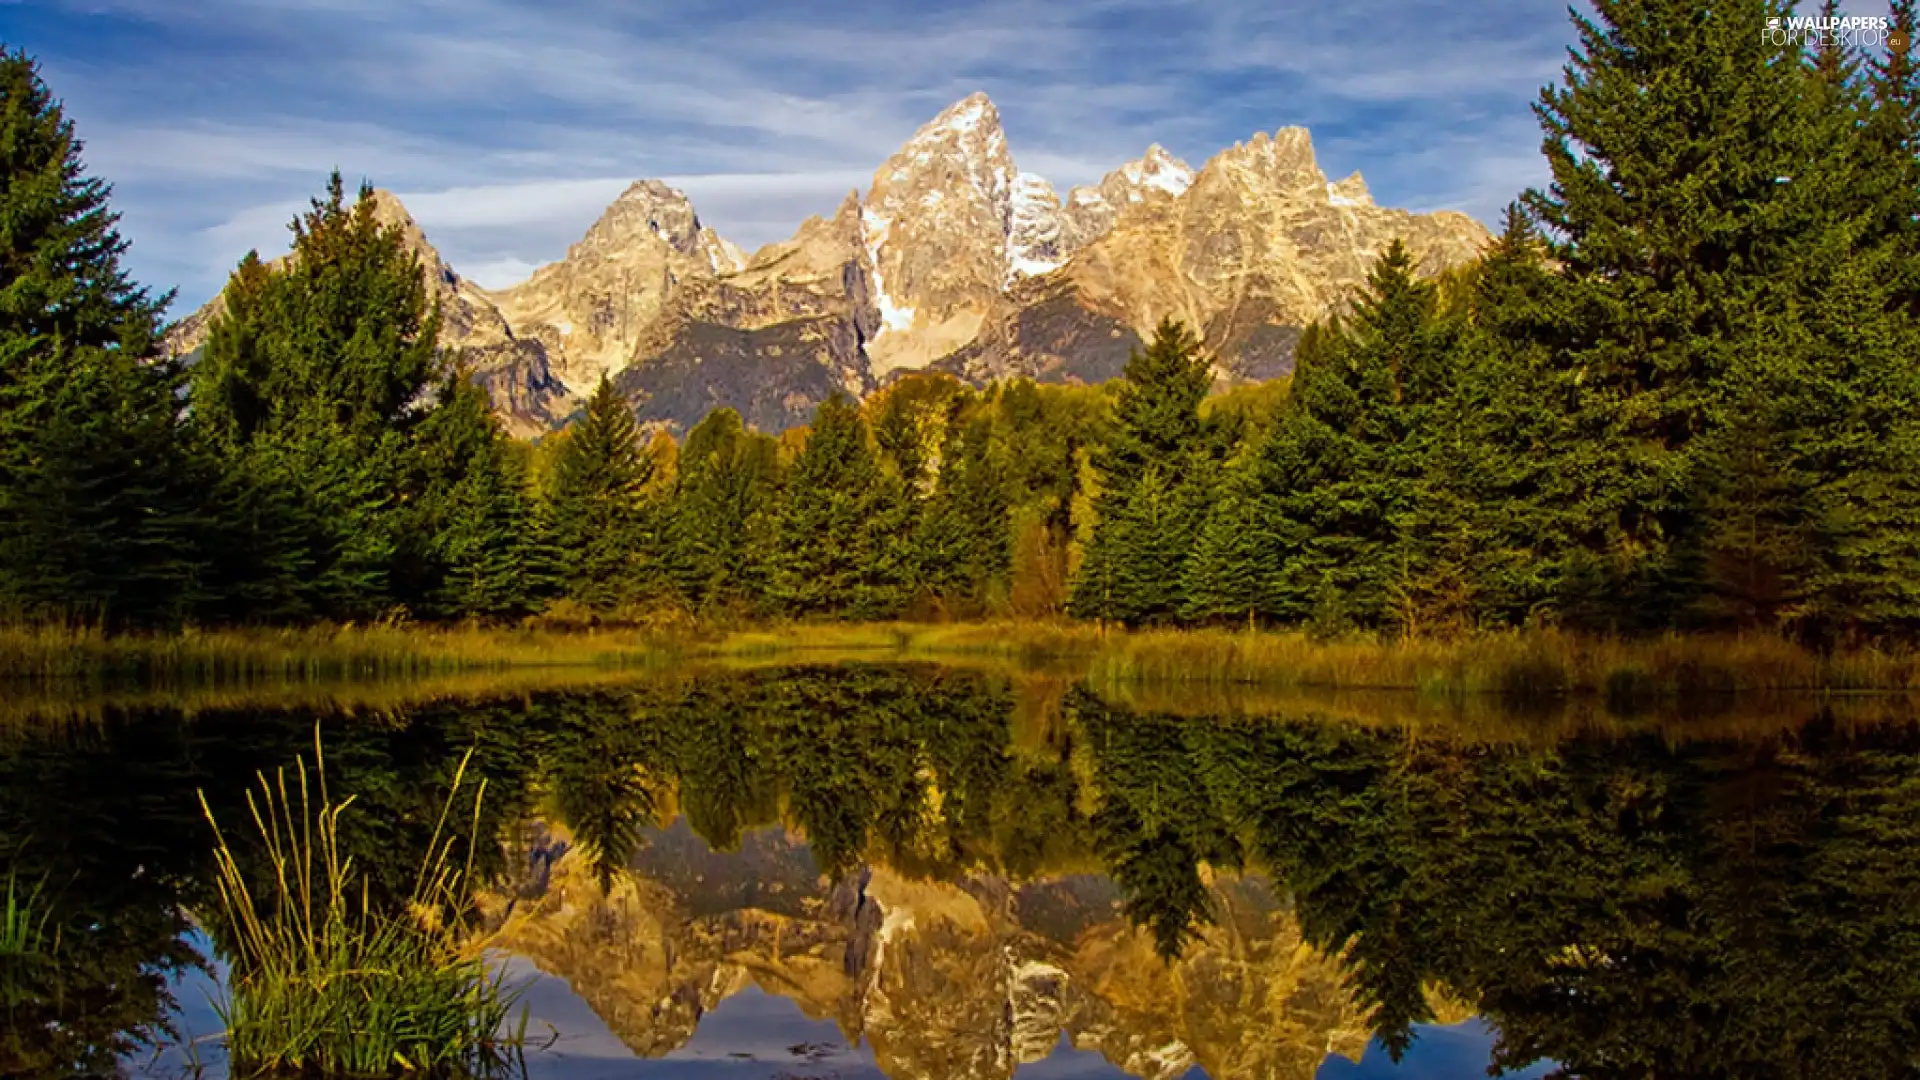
pixel 23 924
pixel 1517 664
pixel 325 984
pixel 1542 663
pixel 66 653
pixel 781 639
pixel 1529 663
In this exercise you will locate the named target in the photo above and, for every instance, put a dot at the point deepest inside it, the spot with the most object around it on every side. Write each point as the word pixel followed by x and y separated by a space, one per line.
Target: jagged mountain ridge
pixel 954 260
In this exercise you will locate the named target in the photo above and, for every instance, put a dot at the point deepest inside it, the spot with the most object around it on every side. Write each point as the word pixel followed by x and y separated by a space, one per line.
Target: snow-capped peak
pixel 1349 192
pixel 968 114
pixel 1159 169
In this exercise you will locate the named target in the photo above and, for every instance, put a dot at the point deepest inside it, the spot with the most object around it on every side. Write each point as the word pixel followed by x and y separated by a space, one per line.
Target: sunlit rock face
pixel 617 282
pixel 1256 246
pixel 954 260
pixel 944 979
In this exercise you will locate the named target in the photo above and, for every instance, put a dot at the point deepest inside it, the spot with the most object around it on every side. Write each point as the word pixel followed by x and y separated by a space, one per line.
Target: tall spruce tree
pixel 840 546
pixel 965 546
pixel 310 391
pixel 599 521
pixel 723 504
pixel 1154 455
pixel 1346 472
pixel 472 526
pixel 97 513
pixel 1892 133
pixel 1508 422
pixel 1226 577
pixel 1697 171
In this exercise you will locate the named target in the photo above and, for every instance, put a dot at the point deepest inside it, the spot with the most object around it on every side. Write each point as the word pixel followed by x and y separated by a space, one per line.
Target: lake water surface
pixel 914 871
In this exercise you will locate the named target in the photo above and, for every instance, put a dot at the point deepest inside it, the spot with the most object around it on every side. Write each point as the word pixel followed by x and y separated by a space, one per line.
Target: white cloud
pixel 499 273
pixel 539 202
pixel 214 151
pixel 262 228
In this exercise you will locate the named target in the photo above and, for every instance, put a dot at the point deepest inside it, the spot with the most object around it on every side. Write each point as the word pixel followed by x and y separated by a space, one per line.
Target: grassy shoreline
pixel 64 654
pixel 1541 663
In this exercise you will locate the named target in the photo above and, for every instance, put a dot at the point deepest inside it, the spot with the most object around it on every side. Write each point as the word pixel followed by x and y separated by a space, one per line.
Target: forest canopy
pixel 1680 390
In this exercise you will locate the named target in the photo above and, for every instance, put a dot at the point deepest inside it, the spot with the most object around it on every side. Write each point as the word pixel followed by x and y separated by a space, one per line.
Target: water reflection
pixel 956 870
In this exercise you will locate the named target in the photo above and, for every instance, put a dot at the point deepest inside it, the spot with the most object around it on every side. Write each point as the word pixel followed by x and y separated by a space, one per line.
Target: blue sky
pixel 507 125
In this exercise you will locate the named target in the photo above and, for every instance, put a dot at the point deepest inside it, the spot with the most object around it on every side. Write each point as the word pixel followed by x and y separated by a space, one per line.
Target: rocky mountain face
pixel 945 980
pixel 614 286
pixel 1256 245
pixel 954 260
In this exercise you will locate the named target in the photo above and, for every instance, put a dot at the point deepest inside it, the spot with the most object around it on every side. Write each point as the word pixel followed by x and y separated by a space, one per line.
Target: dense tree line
pixel 1680 389
pixel 323 458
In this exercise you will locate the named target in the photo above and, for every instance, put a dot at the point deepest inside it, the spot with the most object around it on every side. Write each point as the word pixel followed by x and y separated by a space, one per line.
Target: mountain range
pixel 954 261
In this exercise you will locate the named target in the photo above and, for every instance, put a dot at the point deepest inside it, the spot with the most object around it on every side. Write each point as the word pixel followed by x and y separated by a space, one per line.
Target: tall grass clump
pixel 23 924
pixel 323 983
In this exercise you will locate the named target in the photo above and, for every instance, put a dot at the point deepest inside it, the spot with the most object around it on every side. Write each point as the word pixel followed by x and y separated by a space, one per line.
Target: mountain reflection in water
pixel 947 874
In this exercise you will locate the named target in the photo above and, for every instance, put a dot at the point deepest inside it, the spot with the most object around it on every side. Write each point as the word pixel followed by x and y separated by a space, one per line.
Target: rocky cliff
pixel 953 260
pixel 614 286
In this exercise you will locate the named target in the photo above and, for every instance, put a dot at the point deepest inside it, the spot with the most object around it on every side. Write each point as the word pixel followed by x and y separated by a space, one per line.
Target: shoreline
pixel 1523 664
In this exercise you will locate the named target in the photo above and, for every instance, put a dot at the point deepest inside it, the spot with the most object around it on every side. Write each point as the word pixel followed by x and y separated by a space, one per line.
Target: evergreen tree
pixel 1892 135
pixel 1155 452
pixel 1756 557
pixel 1226 577
pixel 840 546
pixel 1835 61
pixel 1498 465
pixel 1694 166
pixel 310 392
pixel 474 521
pixel 598 518
pixel 965 546
pixel 97 515
pixel 1347 470
pixel 728 479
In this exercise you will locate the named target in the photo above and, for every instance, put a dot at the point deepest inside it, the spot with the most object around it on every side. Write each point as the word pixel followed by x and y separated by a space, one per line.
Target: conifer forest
pixel 1680 391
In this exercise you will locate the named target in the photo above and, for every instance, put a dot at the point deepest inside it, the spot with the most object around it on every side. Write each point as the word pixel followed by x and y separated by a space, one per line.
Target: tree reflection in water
pixel 1629 903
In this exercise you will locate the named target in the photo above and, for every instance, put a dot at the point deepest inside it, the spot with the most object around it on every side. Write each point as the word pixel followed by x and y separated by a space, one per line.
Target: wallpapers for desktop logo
pixel 1824 32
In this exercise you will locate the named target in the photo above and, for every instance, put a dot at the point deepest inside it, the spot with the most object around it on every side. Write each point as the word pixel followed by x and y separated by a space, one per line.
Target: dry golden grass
pixel 1534 663
pixel 49 653
pixel 36 704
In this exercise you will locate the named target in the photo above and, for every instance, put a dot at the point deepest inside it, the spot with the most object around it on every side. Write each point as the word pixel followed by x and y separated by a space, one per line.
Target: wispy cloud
pixel 507 125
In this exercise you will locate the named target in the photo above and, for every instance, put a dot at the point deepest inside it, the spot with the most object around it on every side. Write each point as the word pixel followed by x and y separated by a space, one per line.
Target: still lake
pixel 944 873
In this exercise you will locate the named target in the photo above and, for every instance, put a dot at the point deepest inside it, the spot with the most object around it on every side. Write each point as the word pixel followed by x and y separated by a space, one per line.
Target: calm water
pixel 907 871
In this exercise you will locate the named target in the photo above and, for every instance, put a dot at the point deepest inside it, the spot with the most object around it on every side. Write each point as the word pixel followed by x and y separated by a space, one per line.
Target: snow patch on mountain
pixel 893 316
pixel 1351 192
pixel 1034 242
pixel 967 114
pixel 1158 170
